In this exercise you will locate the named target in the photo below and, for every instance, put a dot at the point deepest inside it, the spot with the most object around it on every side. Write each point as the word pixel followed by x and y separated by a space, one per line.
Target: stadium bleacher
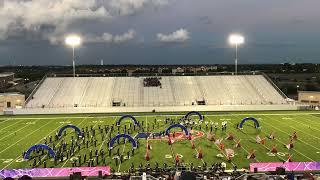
pixel 68 92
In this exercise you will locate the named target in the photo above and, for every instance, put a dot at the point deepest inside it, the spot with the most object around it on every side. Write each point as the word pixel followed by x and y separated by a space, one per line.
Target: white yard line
pixel 7 119
pixel 105 138
pixel 255 140
pixel 173 155
pixel 16 131
pixel 292 149
pixel 124 147
pixel 78 125
pixel 304 132
pixel 59 142
pixel 9 126
pixel 305 125
pixel 16 142
pixel 19 155
pixel 197 153
pixel 235 140
pixel 223 153
pixel 313 119
pixel 290 135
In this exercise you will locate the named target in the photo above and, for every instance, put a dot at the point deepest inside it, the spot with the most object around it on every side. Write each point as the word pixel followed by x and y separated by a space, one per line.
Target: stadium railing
pixel 35 89
pixel 275 86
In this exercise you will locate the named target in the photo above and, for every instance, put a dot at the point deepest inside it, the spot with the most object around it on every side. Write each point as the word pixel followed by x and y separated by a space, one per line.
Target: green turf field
pixel 18 133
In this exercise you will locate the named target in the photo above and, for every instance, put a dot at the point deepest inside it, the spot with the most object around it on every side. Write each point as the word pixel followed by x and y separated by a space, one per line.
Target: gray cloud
pixel 31 15
pixel 110 38
pixel 127 7
pixel 180 35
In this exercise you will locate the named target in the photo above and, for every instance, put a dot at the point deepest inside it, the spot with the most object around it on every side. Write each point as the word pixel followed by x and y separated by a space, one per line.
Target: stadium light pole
pixel 73 41
pixel 236 40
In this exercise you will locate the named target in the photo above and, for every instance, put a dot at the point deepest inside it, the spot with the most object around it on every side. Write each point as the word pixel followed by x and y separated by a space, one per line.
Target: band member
pixel 192 145
pixel 177 159
pixel 199 154
pixel 289 158
pixel 230 136
pixel 237 145
pixel 274 149
pixel 147 155
pixel 258 139
pixel 294 135
pixel 252 154
pixel 271 135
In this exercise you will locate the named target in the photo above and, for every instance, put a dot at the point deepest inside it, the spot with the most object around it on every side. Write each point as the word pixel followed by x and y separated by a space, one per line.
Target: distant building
pixel 5 79
pixel 11 100
pixel 310 97
pixel 213 68
pixel 177 70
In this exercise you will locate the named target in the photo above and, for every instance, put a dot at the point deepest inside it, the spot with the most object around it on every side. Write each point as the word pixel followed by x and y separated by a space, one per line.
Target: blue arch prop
pixel 70 126
pixel 193 113
pixel 113 140
pixel 37 146
pixel 134 120
pixel 177 125
pixel 256 123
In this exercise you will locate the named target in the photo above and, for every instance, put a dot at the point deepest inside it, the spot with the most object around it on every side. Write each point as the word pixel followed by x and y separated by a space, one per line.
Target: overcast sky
pixel 32 32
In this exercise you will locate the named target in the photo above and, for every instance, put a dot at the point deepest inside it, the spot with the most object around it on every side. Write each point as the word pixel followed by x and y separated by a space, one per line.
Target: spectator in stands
pixel 151 82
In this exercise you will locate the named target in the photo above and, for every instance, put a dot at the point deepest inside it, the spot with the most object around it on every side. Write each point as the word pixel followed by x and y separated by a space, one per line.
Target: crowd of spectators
pixel 152 82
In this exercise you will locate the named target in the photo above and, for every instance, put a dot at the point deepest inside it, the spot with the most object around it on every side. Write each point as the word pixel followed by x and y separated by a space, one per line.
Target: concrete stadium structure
pixel 177 93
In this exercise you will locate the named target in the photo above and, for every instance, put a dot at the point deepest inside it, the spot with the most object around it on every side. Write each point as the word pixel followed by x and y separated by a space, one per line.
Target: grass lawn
pixel 18 133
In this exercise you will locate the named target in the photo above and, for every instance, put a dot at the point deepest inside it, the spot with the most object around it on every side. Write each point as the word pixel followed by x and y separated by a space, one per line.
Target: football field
pixel 18 133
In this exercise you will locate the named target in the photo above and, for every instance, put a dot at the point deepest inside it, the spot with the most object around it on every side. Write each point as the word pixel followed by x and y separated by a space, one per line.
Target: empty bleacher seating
pixel 56 92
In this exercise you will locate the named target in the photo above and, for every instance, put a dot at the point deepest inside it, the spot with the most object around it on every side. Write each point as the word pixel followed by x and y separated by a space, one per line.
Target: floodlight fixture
pixel 236 40
pixel 73 41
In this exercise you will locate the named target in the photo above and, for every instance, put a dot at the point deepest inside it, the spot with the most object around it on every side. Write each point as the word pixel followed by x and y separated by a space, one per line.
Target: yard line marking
pixel 146 121
pixel 109 130
pixel 197 153
pixel 78 152
pixel 290 135
pixel 125 141
pixel 124 147
pixel 218 149
pixel 9 125
pixel 59 141
pixel 254 140
pixel 305 125
pixel 310 120
pixel 246 135
pixel 16 131
pixel 24 137
pixel 223 153
pixel 19 155
pixel 173 155
pixel 300 131
pixel 304 133
pixel 314 120
pixel 295 149
pixel 7 119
